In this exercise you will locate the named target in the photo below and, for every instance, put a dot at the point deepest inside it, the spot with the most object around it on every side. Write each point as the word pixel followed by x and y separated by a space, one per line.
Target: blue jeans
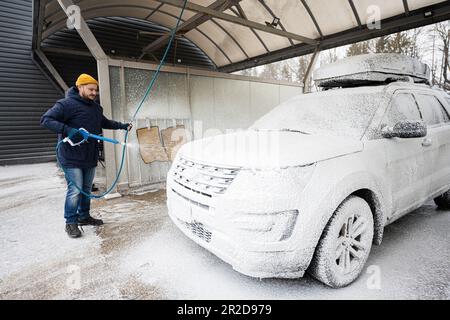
pixel 78 205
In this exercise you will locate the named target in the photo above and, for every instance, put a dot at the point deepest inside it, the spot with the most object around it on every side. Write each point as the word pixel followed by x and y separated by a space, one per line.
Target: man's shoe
pixel 90 221
pixel 72 230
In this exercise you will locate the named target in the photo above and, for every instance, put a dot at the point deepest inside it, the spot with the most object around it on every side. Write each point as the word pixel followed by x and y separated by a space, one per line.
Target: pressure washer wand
pixel 86 135
pixel 94 136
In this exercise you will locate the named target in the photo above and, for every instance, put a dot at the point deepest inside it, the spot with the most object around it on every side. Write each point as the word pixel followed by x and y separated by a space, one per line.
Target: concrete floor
pixel 139 254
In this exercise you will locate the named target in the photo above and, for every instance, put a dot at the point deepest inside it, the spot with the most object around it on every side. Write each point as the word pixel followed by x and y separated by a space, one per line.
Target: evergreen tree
pixel 303 63
pixel 381 44
pixel 251 72
pixel 358 48
pixel 285 73
pixel 270 72
pixel 399 42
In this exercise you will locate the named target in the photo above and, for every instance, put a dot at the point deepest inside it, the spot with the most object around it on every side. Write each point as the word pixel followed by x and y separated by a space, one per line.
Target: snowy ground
pixel 139 254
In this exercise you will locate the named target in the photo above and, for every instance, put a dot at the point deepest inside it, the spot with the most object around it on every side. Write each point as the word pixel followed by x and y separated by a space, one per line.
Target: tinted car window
pixel 432 110
pixel 403 107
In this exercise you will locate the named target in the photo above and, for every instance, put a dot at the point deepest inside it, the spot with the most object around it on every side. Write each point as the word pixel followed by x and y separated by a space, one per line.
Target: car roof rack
pixel 371 69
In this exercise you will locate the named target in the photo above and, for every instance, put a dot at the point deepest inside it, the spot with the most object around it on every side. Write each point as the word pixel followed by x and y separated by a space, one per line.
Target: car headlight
pixel 268 227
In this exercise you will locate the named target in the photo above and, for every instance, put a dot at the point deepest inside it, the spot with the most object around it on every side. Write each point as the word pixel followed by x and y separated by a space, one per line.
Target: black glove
pixel 71 132
pixel 127 126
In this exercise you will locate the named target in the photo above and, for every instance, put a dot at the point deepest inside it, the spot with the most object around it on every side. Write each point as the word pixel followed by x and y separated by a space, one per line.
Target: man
pixel 79 110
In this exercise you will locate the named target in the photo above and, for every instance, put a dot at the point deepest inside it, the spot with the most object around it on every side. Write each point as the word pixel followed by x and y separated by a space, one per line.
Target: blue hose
pixel 152 82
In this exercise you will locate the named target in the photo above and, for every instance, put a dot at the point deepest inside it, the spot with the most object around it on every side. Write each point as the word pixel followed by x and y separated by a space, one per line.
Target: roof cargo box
pixel 371 69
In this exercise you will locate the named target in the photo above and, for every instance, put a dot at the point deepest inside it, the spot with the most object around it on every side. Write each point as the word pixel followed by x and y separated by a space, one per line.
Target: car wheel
pixel 443 201
pixel 345 244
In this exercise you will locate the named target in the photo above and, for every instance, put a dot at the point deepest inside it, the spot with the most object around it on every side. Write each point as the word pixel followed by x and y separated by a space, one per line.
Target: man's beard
pixel 87 97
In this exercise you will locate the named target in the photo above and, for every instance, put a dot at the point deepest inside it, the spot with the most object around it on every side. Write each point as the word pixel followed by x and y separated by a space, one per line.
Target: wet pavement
pixel 139 254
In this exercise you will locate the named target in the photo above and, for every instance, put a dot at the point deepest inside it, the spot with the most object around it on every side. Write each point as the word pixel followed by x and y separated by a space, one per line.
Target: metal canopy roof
pixel 238 34
pixel 125 37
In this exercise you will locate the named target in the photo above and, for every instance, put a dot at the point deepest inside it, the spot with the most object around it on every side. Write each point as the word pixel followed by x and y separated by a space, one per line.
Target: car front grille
pixel 198 204
pixel 203 179
pixel 198 230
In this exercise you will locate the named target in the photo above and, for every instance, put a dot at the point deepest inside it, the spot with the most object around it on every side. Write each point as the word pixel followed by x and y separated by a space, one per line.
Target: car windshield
pixel 326 113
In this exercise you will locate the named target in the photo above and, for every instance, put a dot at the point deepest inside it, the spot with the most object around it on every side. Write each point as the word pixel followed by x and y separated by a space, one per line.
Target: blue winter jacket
pixel 76 112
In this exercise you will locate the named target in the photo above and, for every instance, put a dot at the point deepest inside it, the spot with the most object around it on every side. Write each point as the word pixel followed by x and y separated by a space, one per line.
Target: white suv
pixel 334 168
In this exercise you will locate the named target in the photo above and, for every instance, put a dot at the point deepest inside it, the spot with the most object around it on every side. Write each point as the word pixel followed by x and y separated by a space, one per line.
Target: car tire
pixel 345 244
pixel 443 201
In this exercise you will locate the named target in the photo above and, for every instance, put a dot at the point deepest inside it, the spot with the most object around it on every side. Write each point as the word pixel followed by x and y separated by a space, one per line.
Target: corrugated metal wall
pixel 25 92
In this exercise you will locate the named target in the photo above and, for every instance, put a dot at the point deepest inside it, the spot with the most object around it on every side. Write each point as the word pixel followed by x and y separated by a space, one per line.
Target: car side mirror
pixel 405 129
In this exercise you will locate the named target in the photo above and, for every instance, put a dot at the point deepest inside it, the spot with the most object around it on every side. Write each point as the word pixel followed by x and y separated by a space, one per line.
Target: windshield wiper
pixel 283 129
pixel 293 130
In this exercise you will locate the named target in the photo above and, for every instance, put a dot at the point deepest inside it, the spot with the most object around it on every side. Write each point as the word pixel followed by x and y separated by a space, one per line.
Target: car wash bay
pixel 138 253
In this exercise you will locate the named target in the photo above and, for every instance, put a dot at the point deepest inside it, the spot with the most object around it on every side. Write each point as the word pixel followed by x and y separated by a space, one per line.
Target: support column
pixel 105 100
pixel 125 117
pixel 308 75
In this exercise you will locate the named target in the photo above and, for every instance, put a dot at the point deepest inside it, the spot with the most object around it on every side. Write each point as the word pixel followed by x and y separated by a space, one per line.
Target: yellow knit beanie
pixel 85 79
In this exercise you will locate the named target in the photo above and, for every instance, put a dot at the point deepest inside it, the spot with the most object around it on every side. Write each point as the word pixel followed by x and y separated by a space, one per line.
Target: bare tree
pixel 415 47
pixel 442 31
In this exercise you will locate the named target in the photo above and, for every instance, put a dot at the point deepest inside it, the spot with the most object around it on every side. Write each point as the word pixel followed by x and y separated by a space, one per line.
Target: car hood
pixel 268 149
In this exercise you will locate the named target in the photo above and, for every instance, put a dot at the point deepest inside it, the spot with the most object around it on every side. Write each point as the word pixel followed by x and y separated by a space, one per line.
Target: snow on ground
pixel 39 260
pixel 30 233
pixel 140 254
pixel 413 263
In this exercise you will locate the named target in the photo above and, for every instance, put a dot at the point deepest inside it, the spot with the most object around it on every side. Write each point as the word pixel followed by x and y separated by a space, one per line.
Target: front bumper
pixel 201 223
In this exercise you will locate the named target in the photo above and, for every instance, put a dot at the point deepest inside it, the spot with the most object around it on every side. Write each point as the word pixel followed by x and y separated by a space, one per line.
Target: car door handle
pixel 427 142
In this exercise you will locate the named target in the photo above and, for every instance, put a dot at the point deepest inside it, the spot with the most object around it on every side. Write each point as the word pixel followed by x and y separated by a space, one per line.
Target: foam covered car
pixel 310 186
